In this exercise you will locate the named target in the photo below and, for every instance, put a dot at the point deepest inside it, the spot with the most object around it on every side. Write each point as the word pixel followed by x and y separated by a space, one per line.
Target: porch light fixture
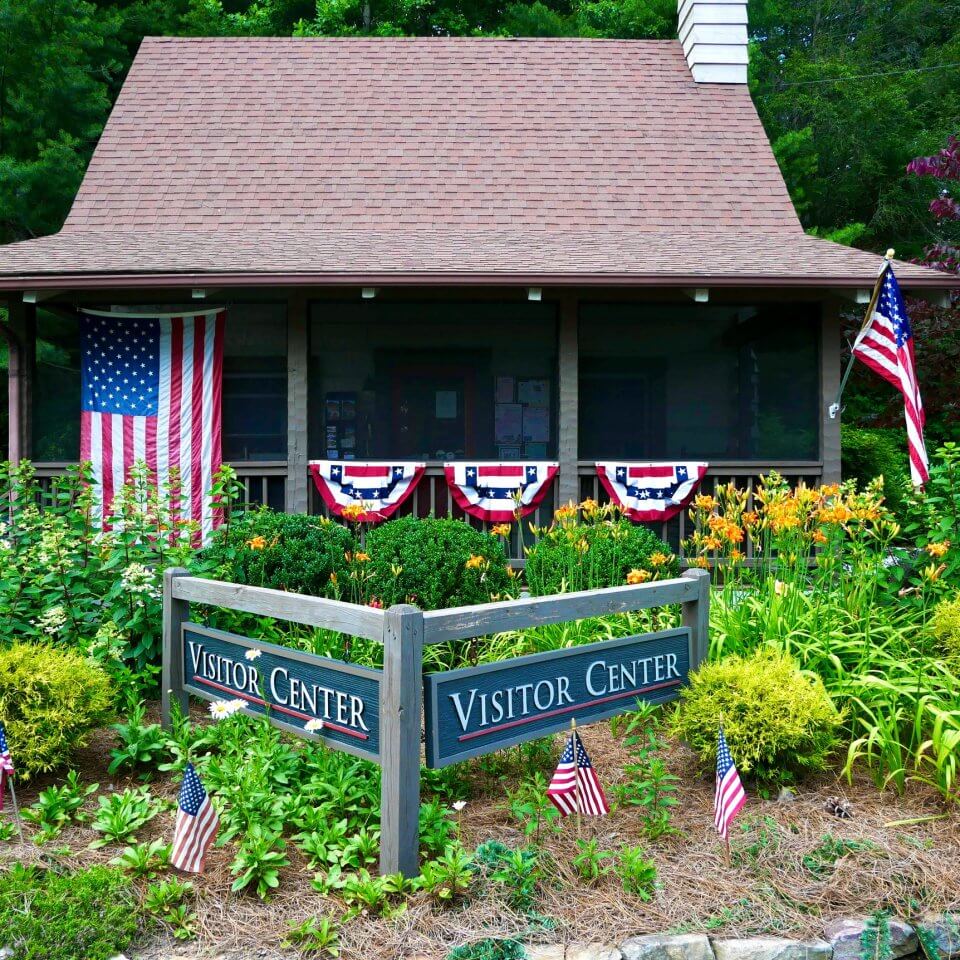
pixel 199 293
pixel 698 294
pixel 38 296
pixel 368 293
pixel 534 293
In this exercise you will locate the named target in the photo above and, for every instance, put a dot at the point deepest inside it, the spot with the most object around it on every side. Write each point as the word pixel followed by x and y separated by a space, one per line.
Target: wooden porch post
pixel 830 370
pixel 22 341
pixel 568 364
pixel 296 500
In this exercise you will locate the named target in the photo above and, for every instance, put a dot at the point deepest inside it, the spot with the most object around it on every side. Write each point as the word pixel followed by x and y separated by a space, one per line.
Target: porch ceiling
pixel 77 258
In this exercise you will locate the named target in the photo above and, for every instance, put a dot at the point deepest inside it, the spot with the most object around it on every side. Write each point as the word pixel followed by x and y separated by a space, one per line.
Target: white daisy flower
pixel 312 726
pixel 221 709
pixel 459 805
pixel 253 654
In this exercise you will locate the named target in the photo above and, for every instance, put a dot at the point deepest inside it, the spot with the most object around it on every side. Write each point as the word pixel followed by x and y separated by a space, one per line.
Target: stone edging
pixel 841 941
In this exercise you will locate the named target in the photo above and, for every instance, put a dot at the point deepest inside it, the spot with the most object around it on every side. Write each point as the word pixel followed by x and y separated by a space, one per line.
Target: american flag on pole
pixel 380 487
pixel 648 492
pixel 196 826
pixel 495 491
pixel 730 796
pixel 151 391
pixel 575 787
pixel 6 764
pixel 885 345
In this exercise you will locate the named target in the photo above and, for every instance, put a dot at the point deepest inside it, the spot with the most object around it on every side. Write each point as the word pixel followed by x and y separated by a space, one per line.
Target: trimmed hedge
pixel 870 453
pixel 427 561
pixel 284 551
pixel 50 700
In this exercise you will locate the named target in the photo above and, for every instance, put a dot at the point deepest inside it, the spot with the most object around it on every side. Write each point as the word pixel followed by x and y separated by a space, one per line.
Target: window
pixel 435 381
pixel 711 382
pixel 56 389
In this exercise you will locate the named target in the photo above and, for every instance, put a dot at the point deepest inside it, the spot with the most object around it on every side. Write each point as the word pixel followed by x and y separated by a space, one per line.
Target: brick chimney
pixel 714 38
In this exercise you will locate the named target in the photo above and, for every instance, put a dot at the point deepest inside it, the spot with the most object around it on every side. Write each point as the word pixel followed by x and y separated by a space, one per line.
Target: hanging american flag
pixel 730 796
pixel 150 392
pixel 6 764
pixel 196 826
pixel 649 492
pixel 575 787
pixel 495 491
pixel 885 344
pixel 379 487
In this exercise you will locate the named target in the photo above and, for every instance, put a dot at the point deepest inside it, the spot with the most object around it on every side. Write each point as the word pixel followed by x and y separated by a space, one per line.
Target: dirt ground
pixel 910 868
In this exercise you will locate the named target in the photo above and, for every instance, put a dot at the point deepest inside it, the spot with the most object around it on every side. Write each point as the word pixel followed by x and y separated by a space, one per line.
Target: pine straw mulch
pixel 907 868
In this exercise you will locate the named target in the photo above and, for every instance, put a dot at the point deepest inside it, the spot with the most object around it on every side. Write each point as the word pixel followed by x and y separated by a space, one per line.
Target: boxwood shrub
pixel 435 562
pixel 870 453
pixel 284 551
pixel 780 722
pixel 50 700
pixel 46 915
pixel 588 555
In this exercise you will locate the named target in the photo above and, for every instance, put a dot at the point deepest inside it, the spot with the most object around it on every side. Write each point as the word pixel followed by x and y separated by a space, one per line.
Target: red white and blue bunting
pixel 489 491
pixel 648 492
pixel 379 487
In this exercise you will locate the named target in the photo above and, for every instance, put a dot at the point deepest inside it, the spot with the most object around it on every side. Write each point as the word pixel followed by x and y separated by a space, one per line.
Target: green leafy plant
pixel 58 806
pixel 531 806
pixel 637 872
pixel 313 937
pixel 875 940
pixel 164 900
pixel 144 859
pixel 50 700
pixel 447 878
pixel 120 815
pixel 489 949
pixel 435 562
pixel 821 859
pixel 778 721
pixel 437 830
pixel 141 744
pixel 945 626
pixel 47 915
pixel 650 786
pixel 520 874
pixel 590 861
pixel 258 861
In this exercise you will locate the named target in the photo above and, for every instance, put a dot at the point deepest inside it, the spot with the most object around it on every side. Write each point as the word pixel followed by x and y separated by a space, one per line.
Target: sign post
pixel 176 613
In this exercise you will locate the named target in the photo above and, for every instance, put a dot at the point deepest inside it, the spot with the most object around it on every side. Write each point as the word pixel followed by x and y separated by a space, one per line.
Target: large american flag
pixel 885 344
pixel 575 787
pixel 496 492
pixel 196 826
pixel 730 796
pixel 151 391
pixel 6 764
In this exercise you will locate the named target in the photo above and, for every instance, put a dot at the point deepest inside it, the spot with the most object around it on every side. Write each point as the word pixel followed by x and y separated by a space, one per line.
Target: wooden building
pixel 442 248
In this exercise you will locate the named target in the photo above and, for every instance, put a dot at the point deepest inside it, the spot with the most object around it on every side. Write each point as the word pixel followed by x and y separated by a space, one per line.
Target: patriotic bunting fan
pixel 649 492
pixel 489 491
pixel 380 487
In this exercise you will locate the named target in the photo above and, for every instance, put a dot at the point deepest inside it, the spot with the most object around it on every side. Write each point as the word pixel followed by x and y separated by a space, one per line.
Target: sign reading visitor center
pixel 476 710
pixel 296 689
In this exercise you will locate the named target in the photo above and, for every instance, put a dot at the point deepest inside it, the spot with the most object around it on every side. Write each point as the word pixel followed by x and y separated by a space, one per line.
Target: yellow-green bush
pixel 779 722
pixel 945 626
pixel 50 699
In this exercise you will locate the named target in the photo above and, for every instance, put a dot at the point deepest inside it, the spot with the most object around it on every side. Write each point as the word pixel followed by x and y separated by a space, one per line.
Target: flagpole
pixel 576 769
pixel 834 408
pixel 16 809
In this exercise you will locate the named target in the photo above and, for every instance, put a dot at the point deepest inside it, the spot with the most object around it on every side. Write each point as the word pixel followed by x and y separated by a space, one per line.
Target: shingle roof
pixel 431 157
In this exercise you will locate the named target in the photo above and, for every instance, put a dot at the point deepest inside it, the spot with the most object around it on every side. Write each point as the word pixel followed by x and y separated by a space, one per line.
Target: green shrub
pixel 945 626
pixel 867 454
pixel 285 551
pixel 50 699
pixel 778 721
pixel 598 550
pixel 435 563
pixel 46 915
pixel 489 949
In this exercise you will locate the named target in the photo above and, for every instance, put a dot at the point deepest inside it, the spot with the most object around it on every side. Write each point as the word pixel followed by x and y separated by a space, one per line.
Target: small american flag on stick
pixel 730 794
pixel 6 764
pixel 575 787
pixel 196 827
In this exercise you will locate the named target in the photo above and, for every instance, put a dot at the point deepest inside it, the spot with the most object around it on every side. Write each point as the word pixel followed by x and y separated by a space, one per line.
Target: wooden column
pixel 401 702
pixel 830 373
pixel 175 614
pixel 22 339
pixel 298 356
pixel 695 614
pixel 568 364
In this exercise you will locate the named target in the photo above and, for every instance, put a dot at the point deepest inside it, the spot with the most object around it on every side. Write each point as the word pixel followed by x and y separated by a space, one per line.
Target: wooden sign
pixel 477 710
pixel 292 688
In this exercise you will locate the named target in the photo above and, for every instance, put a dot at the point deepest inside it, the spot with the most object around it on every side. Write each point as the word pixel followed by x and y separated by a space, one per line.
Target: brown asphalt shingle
pixel 430 156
